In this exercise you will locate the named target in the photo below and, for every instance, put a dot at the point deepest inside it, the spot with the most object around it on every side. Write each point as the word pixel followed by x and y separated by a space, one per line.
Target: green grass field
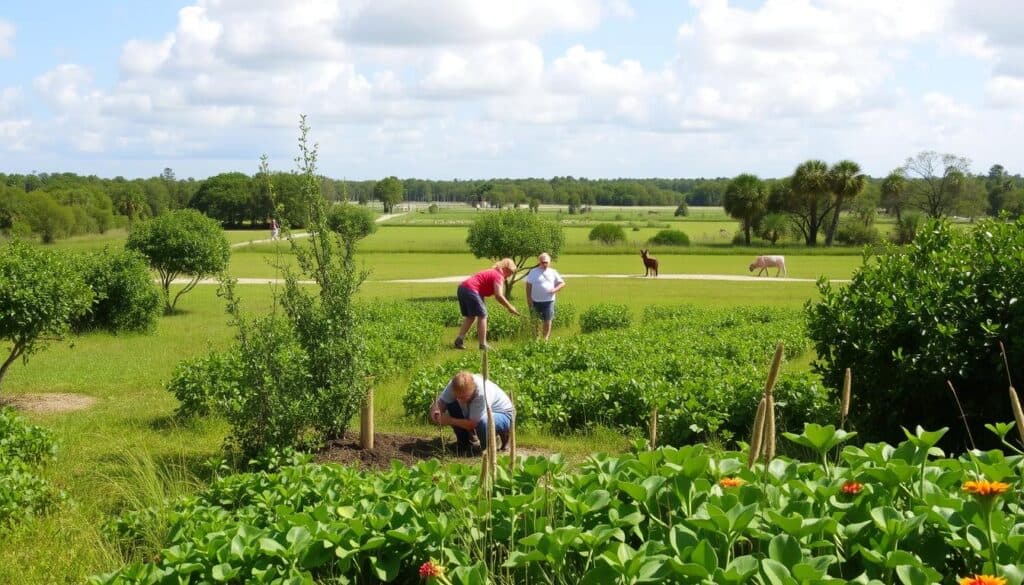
pixel 128 450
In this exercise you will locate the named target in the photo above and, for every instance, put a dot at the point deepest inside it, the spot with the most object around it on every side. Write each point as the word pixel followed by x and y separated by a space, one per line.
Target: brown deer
pixel 650 264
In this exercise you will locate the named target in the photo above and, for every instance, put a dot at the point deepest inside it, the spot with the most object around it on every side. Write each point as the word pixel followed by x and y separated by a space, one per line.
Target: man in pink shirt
pixel 471 296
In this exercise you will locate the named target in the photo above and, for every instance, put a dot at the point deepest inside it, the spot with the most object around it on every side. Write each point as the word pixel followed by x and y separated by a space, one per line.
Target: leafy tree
pixel 49 219
pixel 847 183
pixel 130 202
pixel 997 185
pixel 181 242
pixel 940 181
pixel 389 191
pixel 746 199
pixel 41 292
pixel 607 233
pixel 682 210
pixel 518 235
pixel 226 197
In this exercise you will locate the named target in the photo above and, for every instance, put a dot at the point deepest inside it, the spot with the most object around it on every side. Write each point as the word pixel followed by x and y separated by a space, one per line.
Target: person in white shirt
pixel 463 406
pixel 541 285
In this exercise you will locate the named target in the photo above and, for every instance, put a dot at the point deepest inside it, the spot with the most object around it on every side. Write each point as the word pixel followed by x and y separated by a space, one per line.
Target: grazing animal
pixel 650 264
pixel 766 262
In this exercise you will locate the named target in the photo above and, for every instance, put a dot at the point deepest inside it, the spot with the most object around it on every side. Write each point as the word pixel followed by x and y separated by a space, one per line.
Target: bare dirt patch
pixel 408 449
pixel 48 403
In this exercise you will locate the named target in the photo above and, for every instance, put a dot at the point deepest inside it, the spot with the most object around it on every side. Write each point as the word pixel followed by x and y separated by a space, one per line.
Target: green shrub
pixel 682 210
pixel 605 316
pixel 607 233
pixel 853 232
pixel 432 208
pixel 125 297
pixel 206 384
pixel 915 317
pixel 24 450
pixel 351 220
pixel 670 238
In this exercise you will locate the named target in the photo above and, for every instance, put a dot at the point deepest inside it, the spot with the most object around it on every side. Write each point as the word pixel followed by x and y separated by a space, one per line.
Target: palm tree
pixel 810 202
pixel 894 192
pixel 846 182
pixel 745 199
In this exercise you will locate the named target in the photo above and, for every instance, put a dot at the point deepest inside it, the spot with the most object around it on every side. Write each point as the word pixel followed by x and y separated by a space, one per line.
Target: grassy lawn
pixel 127 450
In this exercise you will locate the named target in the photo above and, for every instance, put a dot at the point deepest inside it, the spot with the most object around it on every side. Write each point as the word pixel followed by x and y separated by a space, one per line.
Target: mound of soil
pixel 386 447
pixel 48 403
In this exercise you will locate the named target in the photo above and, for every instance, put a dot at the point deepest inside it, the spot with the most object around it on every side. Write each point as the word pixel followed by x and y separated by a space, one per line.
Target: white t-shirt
pixel 476 408
pixel 542 281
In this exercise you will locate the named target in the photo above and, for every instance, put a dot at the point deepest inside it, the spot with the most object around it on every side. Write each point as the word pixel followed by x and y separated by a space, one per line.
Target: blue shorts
pixel 544 309
pixel 471 304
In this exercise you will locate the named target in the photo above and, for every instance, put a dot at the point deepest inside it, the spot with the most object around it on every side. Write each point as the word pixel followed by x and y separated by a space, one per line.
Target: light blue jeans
pixel 502 423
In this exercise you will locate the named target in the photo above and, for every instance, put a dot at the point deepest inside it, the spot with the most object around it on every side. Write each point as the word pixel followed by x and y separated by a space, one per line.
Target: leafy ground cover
pixel 875 514
pixel 24 450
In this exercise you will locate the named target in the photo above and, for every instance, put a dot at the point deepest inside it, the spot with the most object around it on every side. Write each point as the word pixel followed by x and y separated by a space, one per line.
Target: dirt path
pixel 451 279
pixel 298 235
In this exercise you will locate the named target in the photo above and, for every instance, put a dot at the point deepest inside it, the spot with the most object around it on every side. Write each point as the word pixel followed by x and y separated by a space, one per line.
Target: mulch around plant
pixel 408 449
pixel 48 403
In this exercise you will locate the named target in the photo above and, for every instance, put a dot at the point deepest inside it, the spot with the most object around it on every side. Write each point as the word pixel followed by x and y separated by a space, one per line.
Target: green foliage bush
pixel 206 383
pixel 125 298
pixel 605 316
pixel 915 317
pixel 907 228
pixel 607 233
pixel 24 450
pixel 853 232
pixel 682 210
pixel 41 294
pixel 432 208
pixel 670 238
pixel 354 221
pixel 684 516
pixel 705 385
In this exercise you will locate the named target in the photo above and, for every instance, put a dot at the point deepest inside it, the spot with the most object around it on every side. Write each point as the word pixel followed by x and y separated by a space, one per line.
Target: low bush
pixel 125 298
pixel 682 210
pixel 352 221
pixel 669 238
pixel 853 232
pixel 605 316
pixel 24 450
pixel 906 228
pixel 607 233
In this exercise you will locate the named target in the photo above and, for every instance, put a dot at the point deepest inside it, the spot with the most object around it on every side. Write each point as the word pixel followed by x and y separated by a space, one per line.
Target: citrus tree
pixel 181 243
pixel 515 234
pixel 40 294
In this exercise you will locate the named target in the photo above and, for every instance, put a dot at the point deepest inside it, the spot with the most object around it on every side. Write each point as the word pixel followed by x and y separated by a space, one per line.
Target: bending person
pixel 461 405
pixel 471 296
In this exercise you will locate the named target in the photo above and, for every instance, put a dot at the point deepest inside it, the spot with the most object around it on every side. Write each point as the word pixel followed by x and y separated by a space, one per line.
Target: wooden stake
pixel 366 423
pixel 653 430
pixel 512 437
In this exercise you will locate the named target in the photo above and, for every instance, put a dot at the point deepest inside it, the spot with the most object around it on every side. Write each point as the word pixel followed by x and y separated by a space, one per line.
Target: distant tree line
pixel 817 201
pixel 838 203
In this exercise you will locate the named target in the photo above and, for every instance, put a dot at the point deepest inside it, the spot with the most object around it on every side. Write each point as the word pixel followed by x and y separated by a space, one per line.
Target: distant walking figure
pixel 766 262
pixel 650 264
pixel 275 230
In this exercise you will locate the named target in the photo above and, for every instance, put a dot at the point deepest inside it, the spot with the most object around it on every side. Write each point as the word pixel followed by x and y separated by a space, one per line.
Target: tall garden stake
pixel 844 404
pixel 653 430
pixel 512 436
pixel 768 441
pixel 1018 414
pixel 366 422
pixel 490 454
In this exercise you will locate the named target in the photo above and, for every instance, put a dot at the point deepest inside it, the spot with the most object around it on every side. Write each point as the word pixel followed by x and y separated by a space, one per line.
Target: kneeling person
pixel 461 406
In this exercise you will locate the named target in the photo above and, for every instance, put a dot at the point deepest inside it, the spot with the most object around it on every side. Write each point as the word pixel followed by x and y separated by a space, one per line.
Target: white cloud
pixel 7 32
pixel 499 68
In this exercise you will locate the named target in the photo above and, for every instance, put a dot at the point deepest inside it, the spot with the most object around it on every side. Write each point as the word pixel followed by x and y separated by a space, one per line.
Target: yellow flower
pixel 985 488
pixel 982 580
pixel 729 482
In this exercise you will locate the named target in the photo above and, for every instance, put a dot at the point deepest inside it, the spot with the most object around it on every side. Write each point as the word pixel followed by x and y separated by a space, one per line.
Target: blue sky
pixel 487 88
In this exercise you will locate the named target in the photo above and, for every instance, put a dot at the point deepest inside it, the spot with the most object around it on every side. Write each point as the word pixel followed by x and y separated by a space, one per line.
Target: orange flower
pixel 985 488
pixel 982 580
pixel 729 482
pixel 852 487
